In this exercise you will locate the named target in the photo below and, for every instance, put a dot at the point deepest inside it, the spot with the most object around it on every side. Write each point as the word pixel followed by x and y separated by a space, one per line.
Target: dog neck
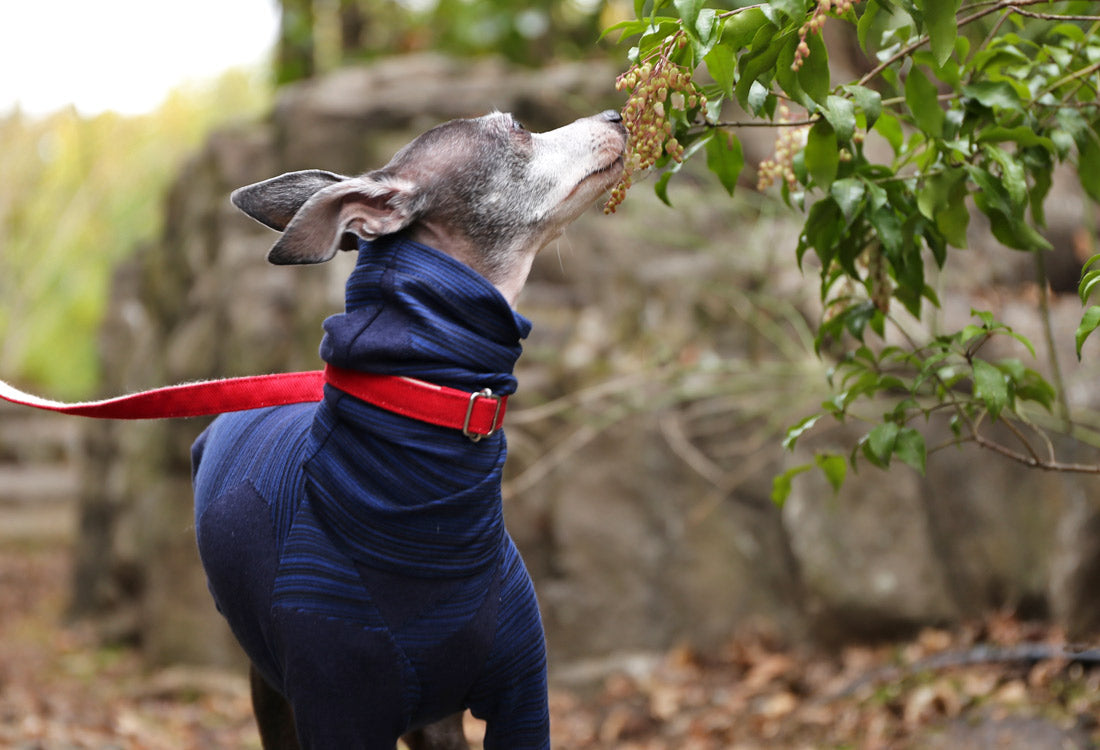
pixel 509 278
pixel 412 310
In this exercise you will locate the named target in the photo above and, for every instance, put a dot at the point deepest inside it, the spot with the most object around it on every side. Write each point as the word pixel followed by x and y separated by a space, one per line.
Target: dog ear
pixel 366 207
pixel 274 202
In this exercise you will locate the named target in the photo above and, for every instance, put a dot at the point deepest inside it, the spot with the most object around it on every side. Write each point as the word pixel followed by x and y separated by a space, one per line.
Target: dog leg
pixel 445 734
pixel 274 716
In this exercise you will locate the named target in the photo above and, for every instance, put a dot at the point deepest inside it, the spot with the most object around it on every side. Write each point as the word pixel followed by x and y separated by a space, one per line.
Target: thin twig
pixel 767 124
pixel 1082 73
pixel 1024 441
pixel 1033 462
pixel 1052 16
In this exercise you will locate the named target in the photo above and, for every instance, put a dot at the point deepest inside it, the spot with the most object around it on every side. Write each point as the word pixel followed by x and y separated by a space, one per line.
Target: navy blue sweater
pixel 359 556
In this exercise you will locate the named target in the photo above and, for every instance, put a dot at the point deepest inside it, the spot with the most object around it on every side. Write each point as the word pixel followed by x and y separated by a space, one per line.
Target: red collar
pixel 477 415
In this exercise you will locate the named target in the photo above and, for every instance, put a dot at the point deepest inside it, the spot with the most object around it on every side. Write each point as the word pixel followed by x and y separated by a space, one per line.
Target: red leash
pixel 477 414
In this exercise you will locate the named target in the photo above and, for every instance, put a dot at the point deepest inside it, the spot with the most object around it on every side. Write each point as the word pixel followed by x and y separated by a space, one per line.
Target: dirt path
pixel 59 691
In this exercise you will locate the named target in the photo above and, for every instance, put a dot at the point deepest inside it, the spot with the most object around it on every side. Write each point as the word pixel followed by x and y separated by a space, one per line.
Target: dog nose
pixel 611 115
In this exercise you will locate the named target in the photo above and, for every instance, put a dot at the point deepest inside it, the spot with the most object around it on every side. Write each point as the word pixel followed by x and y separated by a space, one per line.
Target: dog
pixel 359 554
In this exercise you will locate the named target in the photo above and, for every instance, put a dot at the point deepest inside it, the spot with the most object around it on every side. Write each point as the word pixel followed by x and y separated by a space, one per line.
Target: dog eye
pixel 517 126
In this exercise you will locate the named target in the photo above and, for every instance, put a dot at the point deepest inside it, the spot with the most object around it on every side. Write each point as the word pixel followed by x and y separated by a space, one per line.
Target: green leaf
pixel 1042 179
pixel 856 318
pixel 942 198
pixel 889 128
pixel 781 484
pixel 909 447
pixel 1075 33
pixel 758 98
pixel 661 188
pixel 848 194
pixel 989 187
pixel 741 27
pixel 880 443
pixel 787 77
pixel 922 99
pixel 1094 260
pixel 821 154
pixel 800 429
pixel 1074 123
pixel 865 23
pixel 1089 323
pixel 889 229
pixel 994 94
pixel 1013 177
pixel 628 28
pixel 704 32
pixel 722 68
pixel 1021 135
pixel 989 323
pixel 835 468
pixel 1011 230
pixel 1088 165
pixel 823 226
pixel 1024 341
pixel 840 113
pixel 793 9
pixel 1088 284
pixel 725 159
pixel 758 64
pixel 1006 220
pixel 953 219
pixel 868 101
pixel 1033 387
pixel 689 11
pixel 991 387
pixel 939 19
pixel 813 76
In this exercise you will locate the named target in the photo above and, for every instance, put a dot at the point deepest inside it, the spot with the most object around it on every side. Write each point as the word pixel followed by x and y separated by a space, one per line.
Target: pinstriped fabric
pixel 450 328
pixel 386 534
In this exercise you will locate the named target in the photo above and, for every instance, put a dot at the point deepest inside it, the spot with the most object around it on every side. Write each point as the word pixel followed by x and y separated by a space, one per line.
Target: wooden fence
pixel 39 474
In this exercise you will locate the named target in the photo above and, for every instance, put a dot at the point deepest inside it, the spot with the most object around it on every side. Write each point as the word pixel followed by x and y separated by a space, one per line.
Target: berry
pixel 657 87
pixel 788 143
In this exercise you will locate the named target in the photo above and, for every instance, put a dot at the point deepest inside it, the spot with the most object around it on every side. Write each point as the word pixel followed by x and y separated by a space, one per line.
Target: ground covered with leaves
pixel 988 685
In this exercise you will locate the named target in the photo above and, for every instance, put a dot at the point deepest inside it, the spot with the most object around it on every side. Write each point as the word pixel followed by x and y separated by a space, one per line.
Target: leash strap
pixel 477 415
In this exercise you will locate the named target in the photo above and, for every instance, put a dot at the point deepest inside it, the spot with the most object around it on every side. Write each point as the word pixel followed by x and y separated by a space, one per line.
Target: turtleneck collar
pixel 400 495
pixel 412 310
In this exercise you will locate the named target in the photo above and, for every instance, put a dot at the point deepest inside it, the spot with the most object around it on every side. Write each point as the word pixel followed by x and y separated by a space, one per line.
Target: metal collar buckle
pixel 477 436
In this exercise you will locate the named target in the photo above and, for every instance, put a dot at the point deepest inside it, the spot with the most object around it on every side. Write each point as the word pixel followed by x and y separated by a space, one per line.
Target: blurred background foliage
pixel 78 193
pixel 318 35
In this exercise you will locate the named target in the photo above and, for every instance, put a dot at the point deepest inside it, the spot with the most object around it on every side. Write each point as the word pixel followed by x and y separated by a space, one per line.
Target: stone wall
pixel 669 352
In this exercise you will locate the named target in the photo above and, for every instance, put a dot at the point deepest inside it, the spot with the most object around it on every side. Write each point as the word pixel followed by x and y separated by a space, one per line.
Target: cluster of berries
pixel 814 25
pixel 788 143
pixel 656 88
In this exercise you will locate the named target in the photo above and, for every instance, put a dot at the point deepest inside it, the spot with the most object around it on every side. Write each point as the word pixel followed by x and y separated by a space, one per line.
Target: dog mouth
pixel 612 169
pixel 605 175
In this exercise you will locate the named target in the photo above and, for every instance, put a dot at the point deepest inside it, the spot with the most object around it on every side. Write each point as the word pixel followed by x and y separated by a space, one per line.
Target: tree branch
pixel 1031 461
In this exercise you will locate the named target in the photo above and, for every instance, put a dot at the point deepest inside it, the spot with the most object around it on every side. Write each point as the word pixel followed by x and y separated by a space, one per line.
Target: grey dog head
pixel 485 190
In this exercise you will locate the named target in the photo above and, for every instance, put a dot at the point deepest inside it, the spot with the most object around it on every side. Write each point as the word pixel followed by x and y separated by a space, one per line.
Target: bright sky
pixel 123 55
